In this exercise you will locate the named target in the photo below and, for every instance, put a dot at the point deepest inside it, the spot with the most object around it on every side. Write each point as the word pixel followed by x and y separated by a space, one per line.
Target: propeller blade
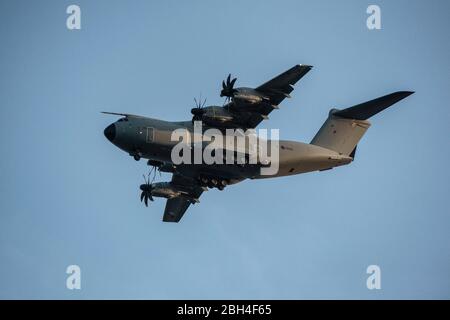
pixel 146 200
pixel 232 83
pixel 228 79
pixel 142 195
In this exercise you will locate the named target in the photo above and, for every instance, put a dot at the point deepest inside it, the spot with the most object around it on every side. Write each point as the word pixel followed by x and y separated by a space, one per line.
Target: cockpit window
pixel 122 119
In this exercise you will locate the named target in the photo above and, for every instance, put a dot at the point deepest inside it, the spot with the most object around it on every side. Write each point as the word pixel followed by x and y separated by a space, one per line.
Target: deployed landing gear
pixel 213 183
pixel 136 155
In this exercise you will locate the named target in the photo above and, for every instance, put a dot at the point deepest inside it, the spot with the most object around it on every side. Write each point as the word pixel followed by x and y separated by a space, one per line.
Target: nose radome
pixel 110 132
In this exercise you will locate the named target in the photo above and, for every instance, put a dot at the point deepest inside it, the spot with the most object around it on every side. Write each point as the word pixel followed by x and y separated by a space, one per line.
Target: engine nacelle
pixel 245 96
pixel 162 166
pixel 165 190
pixel 212 115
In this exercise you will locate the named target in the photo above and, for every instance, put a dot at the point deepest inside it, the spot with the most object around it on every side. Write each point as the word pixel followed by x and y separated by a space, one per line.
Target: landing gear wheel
pixel 137 157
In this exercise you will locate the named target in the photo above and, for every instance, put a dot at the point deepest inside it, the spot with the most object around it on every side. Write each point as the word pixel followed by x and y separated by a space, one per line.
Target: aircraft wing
pixel 176 207
pixel 280 87
pixel 276 90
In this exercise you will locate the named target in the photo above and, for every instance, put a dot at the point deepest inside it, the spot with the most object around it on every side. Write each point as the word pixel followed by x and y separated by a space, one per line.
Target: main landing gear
pixel 213 182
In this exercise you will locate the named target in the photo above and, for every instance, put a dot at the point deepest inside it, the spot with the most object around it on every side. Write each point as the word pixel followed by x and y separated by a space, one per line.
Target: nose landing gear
pixel 136 155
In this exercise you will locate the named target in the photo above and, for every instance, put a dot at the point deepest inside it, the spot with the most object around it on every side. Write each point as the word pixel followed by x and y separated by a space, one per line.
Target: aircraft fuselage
pixel 151 139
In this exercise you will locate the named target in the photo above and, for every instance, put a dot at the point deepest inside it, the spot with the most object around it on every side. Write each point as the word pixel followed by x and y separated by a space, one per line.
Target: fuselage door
pixel 150 135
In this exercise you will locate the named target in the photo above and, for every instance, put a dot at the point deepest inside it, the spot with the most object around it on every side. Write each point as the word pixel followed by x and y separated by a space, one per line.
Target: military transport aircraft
pixel 244 108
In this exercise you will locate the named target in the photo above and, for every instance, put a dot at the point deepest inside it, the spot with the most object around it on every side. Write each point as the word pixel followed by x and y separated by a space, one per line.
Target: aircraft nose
pixel 110 132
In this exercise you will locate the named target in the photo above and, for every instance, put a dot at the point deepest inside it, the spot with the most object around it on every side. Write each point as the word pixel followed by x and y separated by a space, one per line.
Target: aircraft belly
pixel 229 172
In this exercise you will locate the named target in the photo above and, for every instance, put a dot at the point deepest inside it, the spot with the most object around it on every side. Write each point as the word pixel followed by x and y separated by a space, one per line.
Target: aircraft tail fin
pixel 343 129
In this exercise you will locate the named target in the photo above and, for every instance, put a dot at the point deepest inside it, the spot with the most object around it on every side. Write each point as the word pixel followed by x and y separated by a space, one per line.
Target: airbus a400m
pixel 333 145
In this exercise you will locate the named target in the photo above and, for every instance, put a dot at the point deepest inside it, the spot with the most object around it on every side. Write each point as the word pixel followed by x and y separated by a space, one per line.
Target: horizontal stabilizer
pixel 368 109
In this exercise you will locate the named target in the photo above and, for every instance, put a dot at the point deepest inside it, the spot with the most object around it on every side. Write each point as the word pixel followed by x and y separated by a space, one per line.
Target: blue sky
pixel 68 196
